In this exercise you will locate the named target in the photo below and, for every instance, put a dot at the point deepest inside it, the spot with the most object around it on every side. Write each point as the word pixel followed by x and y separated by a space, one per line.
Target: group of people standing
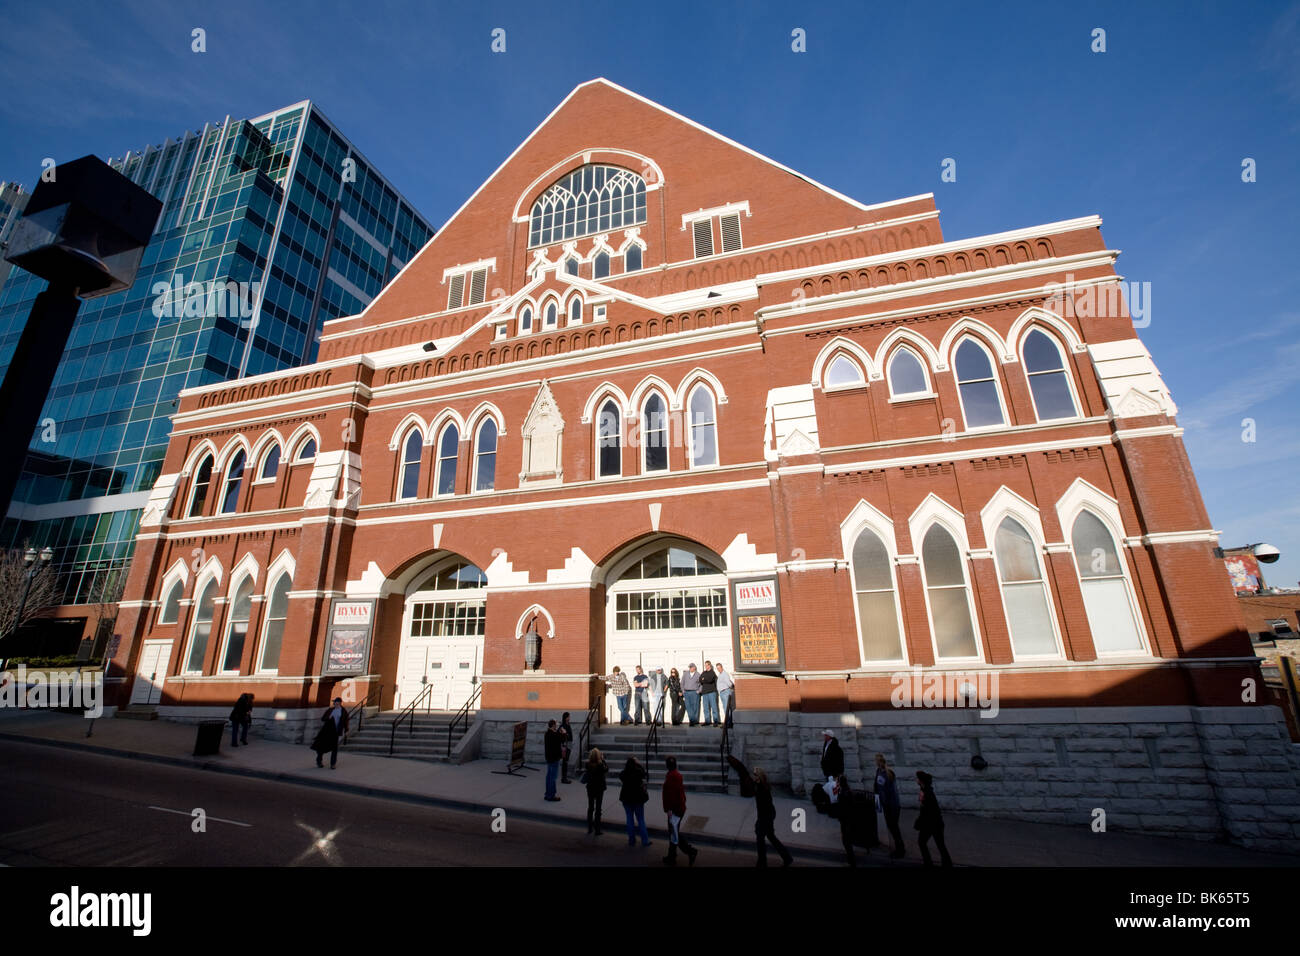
pixel 713 689
pixel 634 794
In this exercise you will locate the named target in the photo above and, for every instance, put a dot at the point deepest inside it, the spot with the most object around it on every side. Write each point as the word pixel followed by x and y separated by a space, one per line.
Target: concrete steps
pixel 696 750
pixel 425 740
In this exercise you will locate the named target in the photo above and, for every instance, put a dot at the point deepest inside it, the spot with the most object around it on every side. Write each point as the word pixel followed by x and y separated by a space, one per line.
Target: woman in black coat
pixel 333 728
pixel 241 718
pixel 756 785
pixel 597 770
pixel 930 821
pixel 678 698
pixel 634 796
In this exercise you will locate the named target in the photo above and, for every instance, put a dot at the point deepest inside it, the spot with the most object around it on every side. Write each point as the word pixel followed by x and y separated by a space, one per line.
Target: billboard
pixel 347 652
pixel 1243 571
pixel 756 625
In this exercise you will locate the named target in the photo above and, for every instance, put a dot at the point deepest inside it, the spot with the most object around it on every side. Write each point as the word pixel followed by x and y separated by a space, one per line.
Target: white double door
pixel 450 665
pixel 653 649
pixel 149 676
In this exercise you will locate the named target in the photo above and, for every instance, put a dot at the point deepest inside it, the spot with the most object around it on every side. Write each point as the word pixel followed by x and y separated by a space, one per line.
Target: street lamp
pixel 33 569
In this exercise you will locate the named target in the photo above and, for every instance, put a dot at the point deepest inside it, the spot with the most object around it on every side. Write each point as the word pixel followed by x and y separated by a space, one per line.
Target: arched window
pixel 873 585
pixel 485 456
pixel 632 259
pixel 609 429
pixel 241 609
pixel 270 464
pixel 448 452
pixel 843 371
pixel 575 310
pixel 945 585
pixel 307 450
pixel 552 315
pixel 977 386
pixel 671 590
pixel 1049 383
pixel 199 495
pixel 906 375
pixel 1105 586
pixel 234 481
pixel 1024 591
pixel 571 265
pixel 409 485
pixel 591 199
pixel 654 434
pixel 704 428
pixel 171 603
pixel 202 629
pixel 277 612
pixel 525 321
pixel 600 265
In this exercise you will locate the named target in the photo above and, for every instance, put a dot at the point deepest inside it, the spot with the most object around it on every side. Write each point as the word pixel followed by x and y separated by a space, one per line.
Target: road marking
pixel 190 813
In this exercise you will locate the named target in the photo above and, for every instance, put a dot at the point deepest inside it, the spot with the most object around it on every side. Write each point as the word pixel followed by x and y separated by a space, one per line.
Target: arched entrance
pixel 442 635
pixel 666 606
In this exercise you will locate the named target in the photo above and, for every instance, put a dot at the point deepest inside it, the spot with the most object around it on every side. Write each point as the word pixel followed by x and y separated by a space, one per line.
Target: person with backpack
pixel 634 795
pixel 755 784
pixel 597 770
pixel 930 821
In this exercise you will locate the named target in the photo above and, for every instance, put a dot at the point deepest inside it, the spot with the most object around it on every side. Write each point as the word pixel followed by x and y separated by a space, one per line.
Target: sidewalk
pixel 712 819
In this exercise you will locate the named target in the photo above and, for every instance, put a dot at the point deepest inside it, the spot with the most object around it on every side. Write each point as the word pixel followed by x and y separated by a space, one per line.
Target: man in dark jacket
pixel 709 695
pixel 756 785
pixel 675 807
pixel 241 718
pixel 333 728
pixel 930 821
pixel 554 744
pixel 832 755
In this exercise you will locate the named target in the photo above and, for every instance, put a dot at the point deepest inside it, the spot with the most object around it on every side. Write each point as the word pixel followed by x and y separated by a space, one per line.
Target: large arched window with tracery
pixel 948 594
pixel 610 440
pixel 873 585
pixel 704 428
pixel 1024 591
pixel 592 199
pixel 1106 594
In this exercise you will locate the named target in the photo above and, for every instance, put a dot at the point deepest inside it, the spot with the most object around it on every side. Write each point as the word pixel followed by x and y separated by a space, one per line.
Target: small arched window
pixel 575 310
pixel 609 429
pixel 234 481
pixel 906 375
pixel 307 450
pixel 412 448
pixel 843 372
pixel 571 266
pixel 241 609
pixel 600 265
pixel 1024 591
pixel 632 259
pixel 202 629
pixel 704 428
pixel 977 386
pixel 277 612
pixel 485 456
pixel 199 494
pixel 525 321
pixel 171 603
pixel 448 452
pixel 873 585
pixel 1049 383
pixel 1105 587
pixel 270 464
pixel 552 315
pixel 654 433
pixel 945 585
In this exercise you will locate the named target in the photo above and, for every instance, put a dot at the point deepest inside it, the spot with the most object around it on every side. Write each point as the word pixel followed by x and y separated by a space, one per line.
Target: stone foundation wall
pixel 285 726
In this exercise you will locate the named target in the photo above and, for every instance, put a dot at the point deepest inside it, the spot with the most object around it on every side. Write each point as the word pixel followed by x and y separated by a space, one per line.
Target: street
pixel 67 808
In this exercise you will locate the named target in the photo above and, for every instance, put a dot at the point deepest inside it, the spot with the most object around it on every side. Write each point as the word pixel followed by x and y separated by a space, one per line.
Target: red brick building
pixel 643 364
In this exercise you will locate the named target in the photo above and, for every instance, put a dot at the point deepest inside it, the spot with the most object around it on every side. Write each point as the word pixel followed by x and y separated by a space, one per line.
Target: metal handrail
pixel 584 735
pixel 724 751
pixel 463 714
pixel 652 738
pixel 360 709
pixel 408 710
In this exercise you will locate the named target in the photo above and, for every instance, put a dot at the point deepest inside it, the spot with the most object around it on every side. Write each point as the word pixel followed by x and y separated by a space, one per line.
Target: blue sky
pixel 1150 135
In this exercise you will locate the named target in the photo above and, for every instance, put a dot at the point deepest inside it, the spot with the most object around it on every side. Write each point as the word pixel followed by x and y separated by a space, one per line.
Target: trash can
pixel 208 741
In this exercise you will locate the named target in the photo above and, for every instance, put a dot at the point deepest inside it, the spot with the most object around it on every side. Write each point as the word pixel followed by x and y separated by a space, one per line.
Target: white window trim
pixel 1065 370
pixel 403 464
pixel 926 373
pixel 851 386
pixel 1007 504
pixel 934 510
pixel 273 578
pixel 691 217
pixel 1126 573
pixel 438 459
pixel 865 517
pixel 229 623
pixel 205 581
pixel 194 486
pixel 690 431
pixel 667 429
pixel 994 365
pixel 618 409
pixel 474 489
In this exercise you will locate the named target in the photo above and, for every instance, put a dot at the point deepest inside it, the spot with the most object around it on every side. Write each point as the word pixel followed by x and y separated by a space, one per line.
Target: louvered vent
pixel 477 286
pixel 730 232
pixel 703 229
pixel 456 297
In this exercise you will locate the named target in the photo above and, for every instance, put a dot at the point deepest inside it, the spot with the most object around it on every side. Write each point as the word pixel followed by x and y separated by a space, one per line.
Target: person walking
pixel 634 796
pixel 930 821
pixel 709 695
pixel 726 693
pixel 641 693
pixel 887 803
pixel 691 690
pixel 658 684
pixel 675 808
pixel 755 784
pixel 845 809
pixel 566 732
pixel 597 771
pixel 241 718
pixel 333 728
pixel 622 691
pixel 677 697
pixel 832 755
pixel 554 745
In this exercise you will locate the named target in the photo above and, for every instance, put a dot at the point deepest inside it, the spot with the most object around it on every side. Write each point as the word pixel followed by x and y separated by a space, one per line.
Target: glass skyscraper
pixel 269 227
